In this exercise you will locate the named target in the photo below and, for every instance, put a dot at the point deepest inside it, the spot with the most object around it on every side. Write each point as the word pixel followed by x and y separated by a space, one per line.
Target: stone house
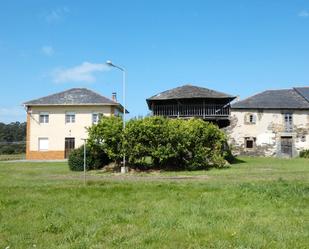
pixel 271 123
pixel 57 123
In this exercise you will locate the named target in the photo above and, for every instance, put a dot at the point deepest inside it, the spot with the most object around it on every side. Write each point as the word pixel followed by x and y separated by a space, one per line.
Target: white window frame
pixel 99 115
pixel 45 119
pixel 288 121
pixel 46 147
pixel 70 117
pixel 250 118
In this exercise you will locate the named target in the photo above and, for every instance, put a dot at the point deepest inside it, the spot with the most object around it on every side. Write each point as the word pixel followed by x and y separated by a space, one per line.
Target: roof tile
pixel 74 96
pixel 189 91
pixel 274 99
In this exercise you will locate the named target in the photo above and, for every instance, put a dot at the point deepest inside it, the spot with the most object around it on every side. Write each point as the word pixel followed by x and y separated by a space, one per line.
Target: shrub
pixel 203 143
pixel 174 143
pixel 107 137
pixel 159 142
pixel 95 159
pixel 147 137
pixel 304 154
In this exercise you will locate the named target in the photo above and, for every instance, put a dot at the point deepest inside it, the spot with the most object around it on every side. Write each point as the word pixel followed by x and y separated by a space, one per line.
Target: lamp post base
pixel 124 170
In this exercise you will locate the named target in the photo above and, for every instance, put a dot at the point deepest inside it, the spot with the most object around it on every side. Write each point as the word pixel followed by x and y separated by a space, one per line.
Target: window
pixel 303 138
pixel 117 112
pixel 96 117
pixel 250 142
pixel 70 117
pixel 288 122
pixel 44 117
pixel 250 118
pixel 43 144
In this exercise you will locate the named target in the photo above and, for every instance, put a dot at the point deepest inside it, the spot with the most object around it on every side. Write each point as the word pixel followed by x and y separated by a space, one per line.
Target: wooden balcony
pixel 205 111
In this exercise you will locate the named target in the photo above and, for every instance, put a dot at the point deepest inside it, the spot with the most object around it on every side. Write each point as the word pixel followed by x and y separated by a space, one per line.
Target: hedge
pixel 95 159
pixel 158 142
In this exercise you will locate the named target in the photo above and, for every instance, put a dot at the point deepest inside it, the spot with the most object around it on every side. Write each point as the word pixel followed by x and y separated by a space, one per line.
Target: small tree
pixel 160 142
pixel 107 136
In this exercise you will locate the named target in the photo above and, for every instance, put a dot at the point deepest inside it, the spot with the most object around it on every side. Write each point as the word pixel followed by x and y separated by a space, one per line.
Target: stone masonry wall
pixel 267 129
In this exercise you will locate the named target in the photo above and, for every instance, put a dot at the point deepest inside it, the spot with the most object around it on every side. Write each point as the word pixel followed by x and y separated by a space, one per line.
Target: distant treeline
pixel 13 138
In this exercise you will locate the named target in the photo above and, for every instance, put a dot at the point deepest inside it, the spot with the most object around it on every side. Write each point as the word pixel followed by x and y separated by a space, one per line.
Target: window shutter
pixel 43 144
pixel 253 118
pixel 247 118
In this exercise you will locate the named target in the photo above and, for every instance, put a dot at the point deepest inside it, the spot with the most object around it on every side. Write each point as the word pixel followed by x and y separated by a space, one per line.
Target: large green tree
pixel 12 138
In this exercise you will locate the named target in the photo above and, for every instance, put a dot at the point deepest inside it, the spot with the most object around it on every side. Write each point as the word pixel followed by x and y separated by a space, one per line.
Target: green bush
pixel 95 159
pixel 107 137
pixel 174 143
pixel 304 154
pixel 204 145
pixel 158 142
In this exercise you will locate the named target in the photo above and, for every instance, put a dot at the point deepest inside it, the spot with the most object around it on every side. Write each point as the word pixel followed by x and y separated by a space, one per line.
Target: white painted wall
pixel 57 129
pixel 268 129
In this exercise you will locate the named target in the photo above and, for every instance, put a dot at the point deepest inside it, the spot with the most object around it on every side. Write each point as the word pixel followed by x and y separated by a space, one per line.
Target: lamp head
pixel 110 63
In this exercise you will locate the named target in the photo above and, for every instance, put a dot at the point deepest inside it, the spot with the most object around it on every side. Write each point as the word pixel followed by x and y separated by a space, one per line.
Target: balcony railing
pixel 191 110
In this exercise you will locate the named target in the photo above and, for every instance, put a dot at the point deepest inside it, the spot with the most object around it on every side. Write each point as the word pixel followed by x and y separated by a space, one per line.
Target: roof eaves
pixel 81 104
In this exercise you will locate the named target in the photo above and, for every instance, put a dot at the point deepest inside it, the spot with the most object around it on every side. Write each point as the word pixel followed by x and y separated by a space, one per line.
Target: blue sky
pixel 239 47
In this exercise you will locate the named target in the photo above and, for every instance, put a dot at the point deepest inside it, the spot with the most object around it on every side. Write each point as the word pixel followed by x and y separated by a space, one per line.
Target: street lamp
pixel 124 169
pixel 85 142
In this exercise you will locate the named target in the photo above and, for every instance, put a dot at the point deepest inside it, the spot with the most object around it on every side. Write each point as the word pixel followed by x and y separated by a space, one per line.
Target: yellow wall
pixel 57 129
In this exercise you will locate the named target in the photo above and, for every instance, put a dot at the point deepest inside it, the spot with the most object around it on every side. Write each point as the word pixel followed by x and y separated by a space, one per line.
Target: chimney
pixel 114 96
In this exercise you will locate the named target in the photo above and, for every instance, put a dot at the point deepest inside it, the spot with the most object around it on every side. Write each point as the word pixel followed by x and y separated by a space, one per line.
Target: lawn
pixel 257 203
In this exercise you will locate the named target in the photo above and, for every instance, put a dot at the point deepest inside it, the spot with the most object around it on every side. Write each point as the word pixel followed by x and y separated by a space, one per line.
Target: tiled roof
pixel 303 91
pixel 189 91
pixel 275 99
pixel 74 96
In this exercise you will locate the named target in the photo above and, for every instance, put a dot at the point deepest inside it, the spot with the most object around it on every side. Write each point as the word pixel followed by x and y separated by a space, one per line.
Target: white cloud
pixel 303 13
pixel 47 50
pixel 56 15
pixel 81 73
pixel 12 114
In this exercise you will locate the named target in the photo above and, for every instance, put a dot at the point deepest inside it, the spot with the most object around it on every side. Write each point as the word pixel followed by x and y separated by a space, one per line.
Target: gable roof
pixel 274 99
pixel 303 91
pixel 189 91
pixel 74 96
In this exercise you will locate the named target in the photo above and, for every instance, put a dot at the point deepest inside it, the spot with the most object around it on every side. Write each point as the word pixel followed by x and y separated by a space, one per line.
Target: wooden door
pixel 69 145
pixel 287 146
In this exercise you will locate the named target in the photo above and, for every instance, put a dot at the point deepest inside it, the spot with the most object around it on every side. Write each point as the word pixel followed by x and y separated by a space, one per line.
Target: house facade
pixel 271 123
pixel 58 123
pixel 192 101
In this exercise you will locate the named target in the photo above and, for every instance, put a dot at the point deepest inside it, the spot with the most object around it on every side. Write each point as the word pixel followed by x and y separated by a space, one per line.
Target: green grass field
pixel 259 203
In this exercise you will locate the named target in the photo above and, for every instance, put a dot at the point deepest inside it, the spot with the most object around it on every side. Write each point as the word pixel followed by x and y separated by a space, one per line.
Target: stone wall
pixel 267 129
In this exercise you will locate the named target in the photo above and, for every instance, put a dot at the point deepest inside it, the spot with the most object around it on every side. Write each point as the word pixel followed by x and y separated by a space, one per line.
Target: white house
pixel 57 123
pixel 271 123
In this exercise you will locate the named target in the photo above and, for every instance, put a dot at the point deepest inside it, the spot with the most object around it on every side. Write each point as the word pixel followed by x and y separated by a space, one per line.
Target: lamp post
pixel 124 169
pixel 85 142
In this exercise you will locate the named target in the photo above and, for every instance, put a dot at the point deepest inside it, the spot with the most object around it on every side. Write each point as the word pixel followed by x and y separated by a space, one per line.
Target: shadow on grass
pixel 237 161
